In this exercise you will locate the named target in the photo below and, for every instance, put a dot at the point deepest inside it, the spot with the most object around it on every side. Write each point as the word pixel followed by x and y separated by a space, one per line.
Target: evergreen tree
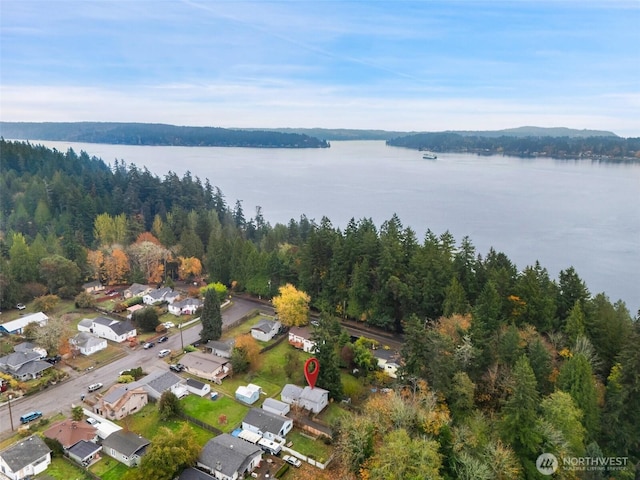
pixel 211 317
pixel 328 358
pixel 576 378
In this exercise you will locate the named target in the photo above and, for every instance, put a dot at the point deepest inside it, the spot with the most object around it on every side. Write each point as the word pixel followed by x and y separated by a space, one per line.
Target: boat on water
pixel 429 156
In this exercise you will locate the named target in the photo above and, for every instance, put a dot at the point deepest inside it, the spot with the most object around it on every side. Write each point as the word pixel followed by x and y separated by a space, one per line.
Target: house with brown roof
pixel 69 432
pixel 206 366
pixel 300 337
pixel 121 400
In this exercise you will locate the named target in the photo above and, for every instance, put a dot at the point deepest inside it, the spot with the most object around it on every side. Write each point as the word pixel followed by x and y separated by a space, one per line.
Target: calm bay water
pixel 562 213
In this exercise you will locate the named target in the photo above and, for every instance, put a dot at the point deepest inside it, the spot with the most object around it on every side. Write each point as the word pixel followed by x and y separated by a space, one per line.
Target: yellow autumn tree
pixel 250 349
pixel 95 260
pixel 116 267
pixel 292 306
pixel 189 267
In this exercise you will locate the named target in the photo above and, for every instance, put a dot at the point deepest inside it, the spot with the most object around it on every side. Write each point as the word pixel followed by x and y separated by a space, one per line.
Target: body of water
pixel 563 213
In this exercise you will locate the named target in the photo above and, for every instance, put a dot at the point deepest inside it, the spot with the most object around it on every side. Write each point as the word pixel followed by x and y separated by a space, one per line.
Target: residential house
pixel 133 309
pixel 16 327
pixel 126 447
pixel 300 337
pixel 198 388
pixel 104 427
pixel 136 290
pixel 313 399
pixel 188 306
pixel 194 474
pixel 269 425
pixel 69 432
pixel 156 383
pixel 23 365
pixel 248 394
pixel 26 458
pixel 265 329
pixel 91 287
pixel 388 361
pixel 229 458
pixel 275 406
pixel 219 348
pixel 87 343
pixel 206 366
pixel 114 330
pixel 164 294
pixel 84 452
pixel 121 400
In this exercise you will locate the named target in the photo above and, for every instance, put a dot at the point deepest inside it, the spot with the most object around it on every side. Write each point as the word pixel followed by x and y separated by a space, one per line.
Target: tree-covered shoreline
pixel 500 362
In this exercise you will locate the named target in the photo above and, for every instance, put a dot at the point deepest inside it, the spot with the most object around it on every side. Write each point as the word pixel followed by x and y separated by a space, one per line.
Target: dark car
pixel 163 339
pixel 53 360
pixel 178 367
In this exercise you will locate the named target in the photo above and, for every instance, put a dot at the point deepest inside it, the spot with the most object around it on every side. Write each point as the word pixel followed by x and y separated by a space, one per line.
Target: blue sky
pixel 392 65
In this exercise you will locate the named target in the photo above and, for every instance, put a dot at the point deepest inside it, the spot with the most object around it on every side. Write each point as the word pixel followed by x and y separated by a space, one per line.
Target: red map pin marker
pixel 311 370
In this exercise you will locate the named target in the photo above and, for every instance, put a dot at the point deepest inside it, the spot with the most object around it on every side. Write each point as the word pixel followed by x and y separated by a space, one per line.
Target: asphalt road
pixel 62 397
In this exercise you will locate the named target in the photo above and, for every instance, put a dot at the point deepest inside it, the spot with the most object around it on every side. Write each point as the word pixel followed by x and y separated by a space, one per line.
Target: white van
pixel 94 386
pixel 164 353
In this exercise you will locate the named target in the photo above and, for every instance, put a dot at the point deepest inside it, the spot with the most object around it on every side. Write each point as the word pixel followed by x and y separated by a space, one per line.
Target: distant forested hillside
pixel 594 147
pixel 156 134
pixel 499 362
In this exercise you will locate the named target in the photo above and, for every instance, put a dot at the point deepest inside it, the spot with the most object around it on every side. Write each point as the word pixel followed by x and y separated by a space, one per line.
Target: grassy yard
pixel 109 469
pixel 209 411
pixel 61 469
pixel 315 449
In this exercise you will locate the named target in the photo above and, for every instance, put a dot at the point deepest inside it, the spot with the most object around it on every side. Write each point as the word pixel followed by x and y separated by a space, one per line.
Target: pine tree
pixel 211 317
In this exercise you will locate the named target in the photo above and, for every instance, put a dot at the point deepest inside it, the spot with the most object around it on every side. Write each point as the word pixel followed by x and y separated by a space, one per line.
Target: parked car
pixel 148 345
pixel 292 460
pixel 94 386
pixel 164 353
pixel 163 339
pixel 21 306
pixel 214 395
pixel 177 367
pixel 111 293
pixel 92 421
pixel 168 324
pixel 53 360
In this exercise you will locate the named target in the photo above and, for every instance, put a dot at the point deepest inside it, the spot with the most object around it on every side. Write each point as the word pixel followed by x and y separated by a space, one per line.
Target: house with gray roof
pixel 126 447
pixel 206 366
pixel 220 348
pixel 16 326
pixel 84 452
pixel 23 365
pixel 265 329
pixel 121 400
pixel 114 330
pixel 269 425
pixel 194 474
pixel 164 294
pixel 136 290
pixel 94 286
pixel 275 406
pixel 26 458
pixel 87 343
pixel 313 399
pixel 158 382
pixel 229 458
pixel 197 388
pixel 188 306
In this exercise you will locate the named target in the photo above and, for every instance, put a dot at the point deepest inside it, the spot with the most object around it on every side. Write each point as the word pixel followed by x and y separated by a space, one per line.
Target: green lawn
pixel 108 469
pixel 315 449
pixel 209 411
pixel 61 469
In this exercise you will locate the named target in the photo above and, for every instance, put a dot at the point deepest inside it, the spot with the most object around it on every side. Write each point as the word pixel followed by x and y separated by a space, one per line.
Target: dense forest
pixel 594 147
pixel 501 362
pixel 157 134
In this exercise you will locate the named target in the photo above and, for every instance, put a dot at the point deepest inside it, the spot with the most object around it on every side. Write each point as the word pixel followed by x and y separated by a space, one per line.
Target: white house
pixel 188 306
pixel 24 459
pixel 164 294
pixel 17 326
pixel 229 458
pixel 275 406
pixel 160 381
pixel 114 330
pixel 248 394
pixel 269 425
pixel 300 337
pixel 126 447
pixel 197 388
pixel 91 287
pixel 265 329
pixel 24 365
pixel 87 343
pixel 313 399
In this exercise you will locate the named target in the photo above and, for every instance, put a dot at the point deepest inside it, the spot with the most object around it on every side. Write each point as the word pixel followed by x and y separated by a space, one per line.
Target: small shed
pixel 275 406
pixel 248 394
pixel 198 388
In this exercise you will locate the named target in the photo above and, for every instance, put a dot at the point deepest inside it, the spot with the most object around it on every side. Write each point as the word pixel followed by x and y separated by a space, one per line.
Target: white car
pixel 168 324
pixel 94 386
pixel 292 460
pixel 164 353
pixel 92 421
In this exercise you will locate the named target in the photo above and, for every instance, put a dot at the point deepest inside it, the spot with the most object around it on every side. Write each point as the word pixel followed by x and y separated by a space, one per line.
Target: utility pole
pixel 10 414
pixel 181 339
